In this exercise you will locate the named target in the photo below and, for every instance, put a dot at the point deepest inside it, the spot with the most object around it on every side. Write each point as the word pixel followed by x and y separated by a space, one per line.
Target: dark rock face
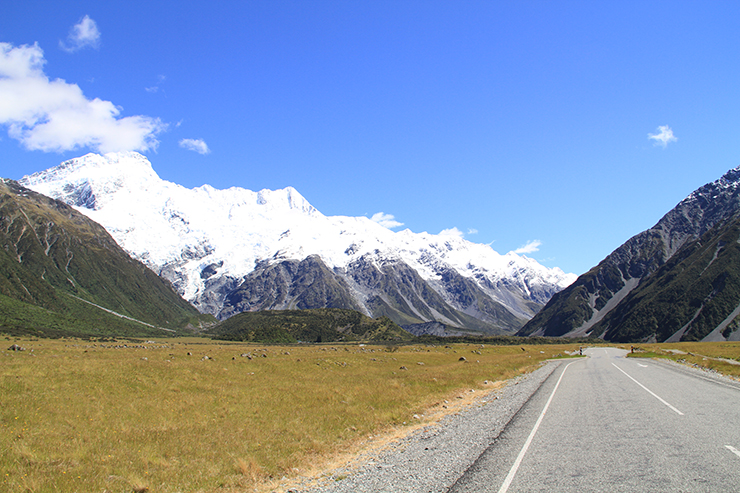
pixel 81 196
pixel 289 284
pixel 580 308
pixel 211 270
pixel 432 328
pixel 388 288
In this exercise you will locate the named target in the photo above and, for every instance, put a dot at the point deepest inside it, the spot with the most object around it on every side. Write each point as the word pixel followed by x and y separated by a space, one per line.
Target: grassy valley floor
pixel 177 415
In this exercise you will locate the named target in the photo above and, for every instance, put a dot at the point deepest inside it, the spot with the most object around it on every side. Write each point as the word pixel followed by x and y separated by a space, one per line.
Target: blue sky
pixel 514 122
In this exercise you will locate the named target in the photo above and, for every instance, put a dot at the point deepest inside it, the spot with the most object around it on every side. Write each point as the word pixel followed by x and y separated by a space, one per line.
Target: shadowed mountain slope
pixel 619 298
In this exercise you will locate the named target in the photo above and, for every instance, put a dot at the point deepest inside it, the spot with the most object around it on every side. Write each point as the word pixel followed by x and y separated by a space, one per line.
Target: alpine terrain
pixel 235 250
pixel 63 275
pixel 677 281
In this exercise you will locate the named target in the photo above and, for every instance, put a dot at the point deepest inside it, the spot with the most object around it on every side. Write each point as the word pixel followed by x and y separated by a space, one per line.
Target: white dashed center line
pixel 648 390
pixel 733 450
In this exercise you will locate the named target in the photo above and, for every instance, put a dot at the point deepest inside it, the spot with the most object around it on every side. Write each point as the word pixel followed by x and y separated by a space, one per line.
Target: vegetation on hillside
pixel 315 325
pixel 690 295
pixel 52 257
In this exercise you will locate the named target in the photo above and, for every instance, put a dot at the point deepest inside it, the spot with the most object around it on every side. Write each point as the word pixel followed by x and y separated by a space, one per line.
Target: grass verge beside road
pixel 177 415
pixel 723 357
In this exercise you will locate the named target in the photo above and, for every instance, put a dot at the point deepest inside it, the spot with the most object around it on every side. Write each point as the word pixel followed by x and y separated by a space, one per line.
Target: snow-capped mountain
pixel 234 250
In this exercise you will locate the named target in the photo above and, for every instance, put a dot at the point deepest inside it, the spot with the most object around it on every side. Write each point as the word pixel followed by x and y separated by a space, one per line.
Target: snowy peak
pixel 92 177
pixel 723 188
pixel 209 242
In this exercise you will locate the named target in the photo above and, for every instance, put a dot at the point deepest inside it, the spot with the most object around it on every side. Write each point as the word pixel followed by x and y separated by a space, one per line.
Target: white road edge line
pixel 648 390
pixel 510 477
pixel 733 450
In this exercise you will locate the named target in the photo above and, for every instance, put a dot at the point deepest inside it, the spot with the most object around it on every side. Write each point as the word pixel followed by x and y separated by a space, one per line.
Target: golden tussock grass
pixel 197 416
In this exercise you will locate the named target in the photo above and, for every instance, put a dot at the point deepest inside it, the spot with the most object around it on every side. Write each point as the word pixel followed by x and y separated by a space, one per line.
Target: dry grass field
pixel 190 415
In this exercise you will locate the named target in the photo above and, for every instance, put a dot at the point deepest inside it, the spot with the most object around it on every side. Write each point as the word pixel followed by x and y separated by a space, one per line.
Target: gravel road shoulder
pixel 434 457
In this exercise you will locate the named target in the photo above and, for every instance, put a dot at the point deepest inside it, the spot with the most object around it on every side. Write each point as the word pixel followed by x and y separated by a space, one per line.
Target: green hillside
pixel 56 265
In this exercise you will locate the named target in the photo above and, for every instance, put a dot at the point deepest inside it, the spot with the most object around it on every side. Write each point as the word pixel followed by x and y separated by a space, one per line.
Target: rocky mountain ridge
pixel 588 306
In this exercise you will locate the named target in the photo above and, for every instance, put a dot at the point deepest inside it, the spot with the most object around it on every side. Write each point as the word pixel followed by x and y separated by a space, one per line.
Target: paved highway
pixel 610 423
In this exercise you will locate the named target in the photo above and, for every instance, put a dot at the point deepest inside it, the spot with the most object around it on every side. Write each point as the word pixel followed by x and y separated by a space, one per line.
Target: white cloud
pixel 664 136
pixel 197 145
pixel 472 231
pixel 55 116
pixel 452 232
pixel 82 35
pixel 386 220
pixel 160 80
pixel 529 247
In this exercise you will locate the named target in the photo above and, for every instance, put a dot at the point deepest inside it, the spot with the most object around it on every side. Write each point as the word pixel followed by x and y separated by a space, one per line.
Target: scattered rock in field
pixel 16 347
pixel 145 359
pixel 462 358
pixel 403 368
pixel 420 363
pixel 264 355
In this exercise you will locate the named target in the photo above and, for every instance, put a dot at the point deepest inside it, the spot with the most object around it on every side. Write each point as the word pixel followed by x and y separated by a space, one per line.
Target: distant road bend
pixel 608 423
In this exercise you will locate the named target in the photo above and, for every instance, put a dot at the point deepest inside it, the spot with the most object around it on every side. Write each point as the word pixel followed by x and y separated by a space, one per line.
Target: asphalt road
pixel 610 423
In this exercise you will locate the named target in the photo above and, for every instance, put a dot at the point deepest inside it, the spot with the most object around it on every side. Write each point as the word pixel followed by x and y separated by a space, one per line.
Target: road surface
pixel 610 423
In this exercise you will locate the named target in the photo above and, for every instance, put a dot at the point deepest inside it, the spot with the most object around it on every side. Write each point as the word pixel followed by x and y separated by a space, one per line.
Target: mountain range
pixel 677 281
pixel 235 250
